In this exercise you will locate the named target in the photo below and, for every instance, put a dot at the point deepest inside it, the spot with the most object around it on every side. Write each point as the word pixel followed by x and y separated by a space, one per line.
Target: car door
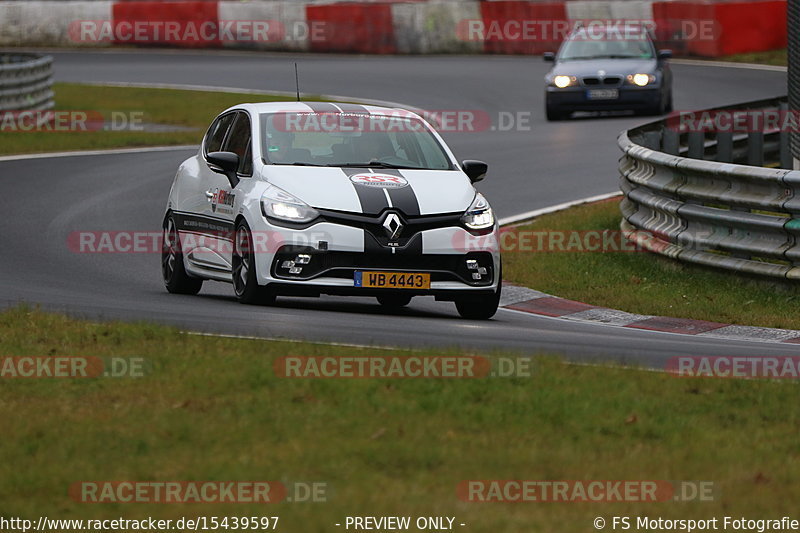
pixel 220 208
pixel 203 226
pixel 191 207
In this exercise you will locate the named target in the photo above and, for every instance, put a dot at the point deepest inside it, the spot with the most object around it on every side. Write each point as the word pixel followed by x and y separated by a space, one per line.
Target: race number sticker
pixel 382 181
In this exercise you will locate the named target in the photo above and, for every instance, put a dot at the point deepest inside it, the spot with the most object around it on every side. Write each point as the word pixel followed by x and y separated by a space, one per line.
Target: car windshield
pixel 350 140
pixel 585 45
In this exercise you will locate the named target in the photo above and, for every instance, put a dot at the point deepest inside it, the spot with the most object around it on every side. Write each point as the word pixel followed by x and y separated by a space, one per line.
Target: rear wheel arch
pixel 176 279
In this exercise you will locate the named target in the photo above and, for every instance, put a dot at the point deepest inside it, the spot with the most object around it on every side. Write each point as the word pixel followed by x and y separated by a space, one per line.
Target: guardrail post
pixel 785 148
pixel 755 148
pixel 672 141
pixel 652 140
pixel 725 147
pixel 697 145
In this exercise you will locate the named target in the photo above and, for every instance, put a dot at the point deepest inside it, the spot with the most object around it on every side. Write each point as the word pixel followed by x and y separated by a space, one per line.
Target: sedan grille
pixel 597 81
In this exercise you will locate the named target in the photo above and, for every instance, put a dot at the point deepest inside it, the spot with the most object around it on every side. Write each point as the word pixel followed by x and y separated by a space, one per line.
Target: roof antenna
pixel 297 81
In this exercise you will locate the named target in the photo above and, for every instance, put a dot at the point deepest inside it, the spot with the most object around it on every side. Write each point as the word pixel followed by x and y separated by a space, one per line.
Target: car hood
pixel 360 190
pixel 621 67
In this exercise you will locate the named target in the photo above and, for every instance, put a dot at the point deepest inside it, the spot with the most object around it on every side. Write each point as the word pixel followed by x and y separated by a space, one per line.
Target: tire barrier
pixel 26 82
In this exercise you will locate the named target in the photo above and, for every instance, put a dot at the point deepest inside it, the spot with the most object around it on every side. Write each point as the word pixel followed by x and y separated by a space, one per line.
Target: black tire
pixel 481 307
pixel 553 114
pixel 394 301
pixel 243 271
pixel 663 106
pixel 176 280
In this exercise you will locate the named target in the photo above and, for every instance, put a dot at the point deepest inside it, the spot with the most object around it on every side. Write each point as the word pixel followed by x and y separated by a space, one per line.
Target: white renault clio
pixel 312 198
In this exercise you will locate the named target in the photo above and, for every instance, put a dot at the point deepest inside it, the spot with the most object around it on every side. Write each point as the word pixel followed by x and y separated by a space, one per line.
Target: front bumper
pixel 577 99
pixel 335 252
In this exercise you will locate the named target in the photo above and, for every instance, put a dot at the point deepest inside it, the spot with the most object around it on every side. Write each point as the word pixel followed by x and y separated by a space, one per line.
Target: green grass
pixel 192 111
pixel 212 409
pixel 770 57
pixel 647 283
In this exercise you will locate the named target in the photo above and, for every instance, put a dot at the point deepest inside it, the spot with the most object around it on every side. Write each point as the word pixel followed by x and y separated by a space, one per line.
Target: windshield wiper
pixel 373 163
pixel 603 56
pixel 376 164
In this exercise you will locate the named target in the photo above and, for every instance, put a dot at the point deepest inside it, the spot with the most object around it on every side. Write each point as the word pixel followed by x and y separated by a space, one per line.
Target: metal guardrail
pixel 26 82
pixel 710 198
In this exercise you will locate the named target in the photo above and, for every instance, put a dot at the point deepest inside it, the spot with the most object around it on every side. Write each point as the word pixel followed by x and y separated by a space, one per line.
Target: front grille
pixel 373 224
pixel 443 267
pixel 596 81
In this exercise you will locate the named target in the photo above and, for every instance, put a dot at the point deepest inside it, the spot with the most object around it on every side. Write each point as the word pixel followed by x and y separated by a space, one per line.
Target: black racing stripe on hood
pixel 372 199
pixel 403 198
pixel 322 107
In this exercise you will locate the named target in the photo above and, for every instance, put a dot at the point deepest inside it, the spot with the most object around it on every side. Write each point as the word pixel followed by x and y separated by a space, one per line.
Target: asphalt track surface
pixel 45 199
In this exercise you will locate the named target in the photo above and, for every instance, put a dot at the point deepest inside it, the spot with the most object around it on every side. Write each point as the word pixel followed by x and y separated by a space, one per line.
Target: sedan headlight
pixel 279 204
pixel 479 215
pixel 641 79
pixel 561 81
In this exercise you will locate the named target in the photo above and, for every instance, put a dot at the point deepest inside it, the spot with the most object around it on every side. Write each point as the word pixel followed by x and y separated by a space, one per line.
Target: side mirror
pixel 665 54
pixel 549 57
pixel 224 163
pixel 475 170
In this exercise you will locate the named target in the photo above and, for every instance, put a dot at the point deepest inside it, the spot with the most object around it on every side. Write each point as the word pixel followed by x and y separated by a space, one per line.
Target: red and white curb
pixel 709 28
pixel 523 299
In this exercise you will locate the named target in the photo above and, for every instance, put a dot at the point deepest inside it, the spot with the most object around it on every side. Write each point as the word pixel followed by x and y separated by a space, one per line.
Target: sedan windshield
pixel 609 48
pixel 350 140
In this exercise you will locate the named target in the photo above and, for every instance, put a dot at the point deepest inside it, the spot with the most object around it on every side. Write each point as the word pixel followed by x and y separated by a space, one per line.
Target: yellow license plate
pixel 392 280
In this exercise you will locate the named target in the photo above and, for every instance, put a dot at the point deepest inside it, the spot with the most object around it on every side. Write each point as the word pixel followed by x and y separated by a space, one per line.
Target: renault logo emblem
pixel 392 226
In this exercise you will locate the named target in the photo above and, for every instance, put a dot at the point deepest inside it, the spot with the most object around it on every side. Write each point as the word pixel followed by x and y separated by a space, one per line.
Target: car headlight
pixel 279 204
pixel 563 81
pixel 479 215
pixel 641 79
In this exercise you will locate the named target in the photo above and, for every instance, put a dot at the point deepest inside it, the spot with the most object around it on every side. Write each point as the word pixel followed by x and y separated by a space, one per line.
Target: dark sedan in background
pixel 608 68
